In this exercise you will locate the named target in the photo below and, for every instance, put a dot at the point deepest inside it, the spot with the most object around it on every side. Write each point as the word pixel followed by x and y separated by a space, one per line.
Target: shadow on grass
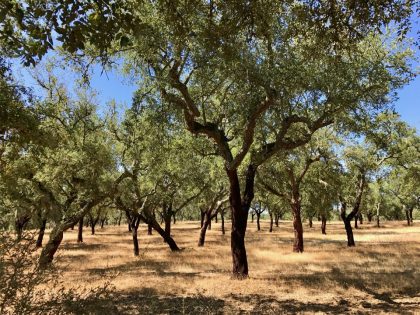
pixel 146 301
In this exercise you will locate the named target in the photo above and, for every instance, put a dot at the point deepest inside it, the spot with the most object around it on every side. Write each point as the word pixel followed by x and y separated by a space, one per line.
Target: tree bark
pixel 258 221
pixel 168 221
pixel 271 222
pixel 149 229
pixel 167 238
pixel 80 232
pixel 407 214
pixel 41 233
pixel 240 210
pixel 323 225
pixel 369 216
pixel 203 230
pixel 20 225
pixel 276 220
pixel 222 215
pixel 135 221
pixel 202 217
pixel 356 217
pixel 215 218
pixel 310 222
pixel 47 254
pixel 349 232
pixel 252 217
pixel 297 227
pixel 411 215
pixel 102 223
pixel 360 218
pixel 119 219
pixel 174 217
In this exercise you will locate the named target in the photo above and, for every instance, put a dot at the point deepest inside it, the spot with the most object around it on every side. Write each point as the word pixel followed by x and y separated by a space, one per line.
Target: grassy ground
pixel 380 275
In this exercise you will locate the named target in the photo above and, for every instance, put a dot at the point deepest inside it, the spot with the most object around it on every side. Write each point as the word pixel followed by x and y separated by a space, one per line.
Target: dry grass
pixel 380 275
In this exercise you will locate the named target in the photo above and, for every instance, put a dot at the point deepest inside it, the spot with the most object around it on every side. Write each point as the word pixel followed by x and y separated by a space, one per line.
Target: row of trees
pixel 290 97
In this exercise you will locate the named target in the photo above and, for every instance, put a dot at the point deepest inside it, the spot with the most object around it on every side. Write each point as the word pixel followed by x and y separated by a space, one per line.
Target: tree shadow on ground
pixel 147 301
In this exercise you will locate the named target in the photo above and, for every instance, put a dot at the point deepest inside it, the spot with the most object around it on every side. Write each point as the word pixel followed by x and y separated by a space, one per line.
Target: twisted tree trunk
pixel 41 233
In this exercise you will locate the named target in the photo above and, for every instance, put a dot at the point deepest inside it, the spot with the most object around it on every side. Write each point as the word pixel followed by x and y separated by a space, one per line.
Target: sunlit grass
pixel 381 274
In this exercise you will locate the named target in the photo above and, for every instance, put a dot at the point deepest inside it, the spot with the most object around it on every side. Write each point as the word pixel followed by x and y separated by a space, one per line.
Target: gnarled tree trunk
pixel 240 209
pixel 41 233
pixel 48 252
pixel 297 227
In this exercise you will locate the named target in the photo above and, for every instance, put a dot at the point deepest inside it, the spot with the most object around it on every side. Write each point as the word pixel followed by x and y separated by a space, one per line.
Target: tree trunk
pixel 276 220
pixel 174 217
pixel 203 230
pixel 119 219
pixel 202 218
pixel 355 221
pixel 360 218
pixel 369 216
pixel 407 214
pixel 271 222
pixel 20 225
pixel 411 215
pixel 102 223
pixel 215 218
pixel 349 232
pixel 135 241
pixel 168 222
pixel 252 217
pixel 166 237
pixel 209 226
pixel 149 229
pixel 258 221
pixel 323 225
pixel 41 233
pixel 93 223
pixel 80 232
pixel 134 228
pixel 240 209
pixel 72 227
pixel 47 254
pixel 297 227
pixel 310 222
pixel 222 215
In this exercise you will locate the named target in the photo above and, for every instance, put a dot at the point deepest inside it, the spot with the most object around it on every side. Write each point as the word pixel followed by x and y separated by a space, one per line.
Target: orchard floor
pixel 380 275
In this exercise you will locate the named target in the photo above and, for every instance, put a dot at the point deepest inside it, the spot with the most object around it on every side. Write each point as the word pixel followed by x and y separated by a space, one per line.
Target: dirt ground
pixel 380 275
